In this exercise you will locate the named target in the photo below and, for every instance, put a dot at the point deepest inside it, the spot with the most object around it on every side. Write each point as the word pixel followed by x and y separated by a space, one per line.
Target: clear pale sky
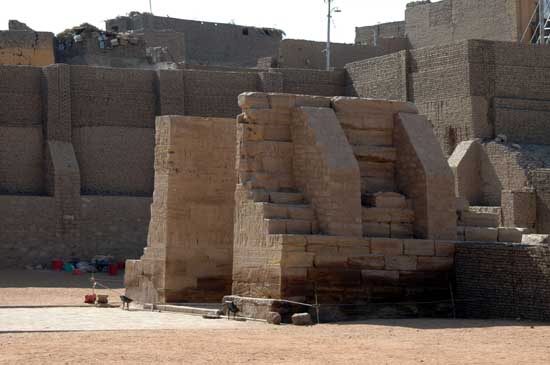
pixel 301 19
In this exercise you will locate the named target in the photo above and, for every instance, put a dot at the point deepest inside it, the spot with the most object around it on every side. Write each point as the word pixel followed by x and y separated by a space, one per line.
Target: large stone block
pixel 401 263
pixel 484 234
pixel 387 246
pixel 419 247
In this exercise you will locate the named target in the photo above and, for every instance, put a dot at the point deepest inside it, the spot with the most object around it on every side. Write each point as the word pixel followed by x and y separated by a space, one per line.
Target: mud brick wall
pixel 366 35
pixel 383 77
pixel 26 48
pixel 72 132
pixel 502 281
pixel 27 230
pixel 112 115
pixel 314 82
pixel 229 44
pixel 472 89
pixel 21 138
pixel 214 94
pixel 503 168
pixel 541 181
pixel 294 53
pixel 112 225
pixel 449 21
pixel 523 120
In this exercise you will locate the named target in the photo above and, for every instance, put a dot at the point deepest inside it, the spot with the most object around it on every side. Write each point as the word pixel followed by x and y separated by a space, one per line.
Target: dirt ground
pixel 419 341
pixel 37 288
pixel 377 342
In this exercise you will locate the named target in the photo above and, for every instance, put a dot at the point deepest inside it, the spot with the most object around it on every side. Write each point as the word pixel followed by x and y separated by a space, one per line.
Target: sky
pixel 300 19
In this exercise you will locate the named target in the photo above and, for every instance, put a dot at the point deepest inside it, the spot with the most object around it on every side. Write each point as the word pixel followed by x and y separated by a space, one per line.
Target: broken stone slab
pixel 302 319
pixel 535 239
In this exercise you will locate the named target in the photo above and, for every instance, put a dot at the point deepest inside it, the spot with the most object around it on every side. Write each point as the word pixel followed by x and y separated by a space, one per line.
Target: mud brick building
pixel 76 162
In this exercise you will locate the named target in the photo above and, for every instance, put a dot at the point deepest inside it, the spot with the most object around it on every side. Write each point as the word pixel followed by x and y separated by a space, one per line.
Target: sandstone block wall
pixel 26 48
pixel 424 176
pixel 191 228
pixel 299 176
pixel 502 281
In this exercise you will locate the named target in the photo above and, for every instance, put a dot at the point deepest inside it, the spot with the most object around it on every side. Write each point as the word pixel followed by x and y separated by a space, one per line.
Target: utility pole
pixel 151 6
pixel 329 19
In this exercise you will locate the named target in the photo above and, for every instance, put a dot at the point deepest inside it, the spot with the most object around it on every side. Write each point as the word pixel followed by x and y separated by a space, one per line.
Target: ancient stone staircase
pixel 386 213
pixel 287 213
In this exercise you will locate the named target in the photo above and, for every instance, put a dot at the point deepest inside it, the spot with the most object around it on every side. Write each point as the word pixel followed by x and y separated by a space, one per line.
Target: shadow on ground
pixel 53 279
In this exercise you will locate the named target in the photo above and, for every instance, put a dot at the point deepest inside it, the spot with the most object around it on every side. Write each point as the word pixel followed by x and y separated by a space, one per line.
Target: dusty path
pixel 378 342
pixel 175 338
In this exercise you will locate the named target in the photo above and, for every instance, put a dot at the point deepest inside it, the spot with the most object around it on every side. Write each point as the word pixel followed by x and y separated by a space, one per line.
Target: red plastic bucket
pixel 57 265
pixel 113 269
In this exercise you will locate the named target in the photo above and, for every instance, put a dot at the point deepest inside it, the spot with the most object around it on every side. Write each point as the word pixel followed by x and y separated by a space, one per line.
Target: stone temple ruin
pixel 412 179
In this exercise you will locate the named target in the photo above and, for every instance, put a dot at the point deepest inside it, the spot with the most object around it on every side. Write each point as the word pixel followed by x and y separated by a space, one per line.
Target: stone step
pixel 375 153
pixel 288 211
pixel 369 137
pixel 377 169
pixel 387 199
pixel 388 230
pixel 280 197
pixel 290 226
pixel 388 215
pixel 473 219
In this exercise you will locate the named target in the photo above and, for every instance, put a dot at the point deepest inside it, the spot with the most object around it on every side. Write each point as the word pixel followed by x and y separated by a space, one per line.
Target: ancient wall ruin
pixel 78 141
pixel 189 253
pixel 448 21
pixel 502 281
pixel 248 44
pixel 379 33
pixel 21 47
pixel 471 89
pixel 294 53
pixel 309 166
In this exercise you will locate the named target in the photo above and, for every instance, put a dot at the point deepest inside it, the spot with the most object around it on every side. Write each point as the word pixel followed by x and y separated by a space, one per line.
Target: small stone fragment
pixel 274 318
pixel 301 319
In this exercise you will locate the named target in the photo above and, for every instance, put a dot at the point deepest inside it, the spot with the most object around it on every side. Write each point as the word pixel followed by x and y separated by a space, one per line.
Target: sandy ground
pixel 26 287
pixel 378 342
pixel 194 340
